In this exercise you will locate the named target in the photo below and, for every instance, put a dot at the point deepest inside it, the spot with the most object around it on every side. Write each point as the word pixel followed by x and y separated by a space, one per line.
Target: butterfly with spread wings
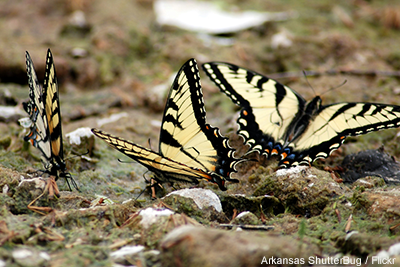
pixel 43 108
pixel 276 120
pixel 190 149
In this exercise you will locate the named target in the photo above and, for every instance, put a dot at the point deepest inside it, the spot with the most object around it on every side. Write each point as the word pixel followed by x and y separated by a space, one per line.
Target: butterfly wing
pixel 44 111
pixel 165 169
pixel 52 107
pixel 186 137
pixel 190 149
pixel 38 135
pixel 268 107
pixel 333 123
pixel 275 117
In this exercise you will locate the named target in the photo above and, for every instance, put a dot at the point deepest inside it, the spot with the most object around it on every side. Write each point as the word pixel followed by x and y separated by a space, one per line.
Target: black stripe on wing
pixel 333 124
pixel 165 169
pixel 267 107
pixel 276 118
pixel 190 149
pixel 37 136
pixel 185 136
pixel 52 107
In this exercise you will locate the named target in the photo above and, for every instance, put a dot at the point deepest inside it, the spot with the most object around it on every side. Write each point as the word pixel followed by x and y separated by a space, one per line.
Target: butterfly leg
pixel 154 182
pixel 153 190
pixel 53 188
pixel 235 213
pixel 37 209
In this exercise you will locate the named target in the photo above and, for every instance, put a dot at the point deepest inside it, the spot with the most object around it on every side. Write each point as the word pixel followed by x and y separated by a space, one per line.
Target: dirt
pixel 119 61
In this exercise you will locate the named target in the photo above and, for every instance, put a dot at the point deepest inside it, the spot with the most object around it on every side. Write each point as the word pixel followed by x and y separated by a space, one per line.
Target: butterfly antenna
pixel 334 88
pixel 149 142
pixel 308 82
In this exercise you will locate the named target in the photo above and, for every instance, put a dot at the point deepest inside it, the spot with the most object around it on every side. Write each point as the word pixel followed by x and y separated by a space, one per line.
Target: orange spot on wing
pixel 245 113
pixel 274 151
pixel 284 155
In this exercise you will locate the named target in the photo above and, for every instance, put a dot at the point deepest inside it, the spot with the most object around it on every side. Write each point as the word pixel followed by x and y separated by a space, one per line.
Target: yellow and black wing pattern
pixel 190 149
pixel 276 120
pixel 43 108
pixel 38 135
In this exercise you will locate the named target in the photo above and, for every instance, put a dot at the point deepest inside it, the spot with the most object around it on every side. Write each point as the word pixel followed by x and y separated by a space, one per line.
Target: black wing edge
pixel 226 160
pixel 164 176
pixel 30 106
pixel 291 157
pixel 248 129
pixel 226 164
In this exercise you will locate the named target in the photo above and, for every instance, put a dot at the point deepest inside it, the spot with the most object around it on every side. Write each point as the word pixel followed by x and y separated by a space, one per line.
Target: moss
pixel 5 142
pixel 305 191
pixel 360 201
pixel 267 205
pixel 362 244
pixel 187 206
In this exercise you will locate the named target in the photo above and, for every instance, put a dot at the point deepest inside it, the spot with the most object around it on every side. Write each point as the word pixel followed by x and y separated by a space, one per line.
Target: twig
pixel 295 74
pixel 248 227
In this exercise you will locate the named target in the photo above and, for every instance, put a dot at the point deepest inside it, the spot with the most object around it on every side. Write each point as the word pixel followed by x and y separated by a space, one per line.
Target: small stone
pixel 76 137
pixel 30 257
pixel 394 250
pixel 126 253
pixel 82 143
pixel 203 205
pixel 151 215
pixel 246 218
pixel 202 197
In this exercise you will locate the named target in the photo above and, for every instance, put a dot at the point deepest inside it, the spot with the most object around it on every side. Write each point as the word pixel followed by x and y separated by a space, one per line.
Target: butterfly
pixel 276 120
pixel 189 149
pixel 43 109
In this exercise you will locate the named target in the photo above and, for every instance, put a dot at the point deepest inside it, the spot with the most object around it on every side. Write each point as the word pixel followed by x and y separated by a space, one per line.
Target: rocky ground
pixel 115 64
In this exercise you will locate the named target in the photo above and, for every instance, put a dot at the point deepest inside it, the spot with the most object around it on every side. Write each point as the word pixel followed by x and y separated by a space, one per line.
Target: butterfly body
pixel 190 150
pixel 276 120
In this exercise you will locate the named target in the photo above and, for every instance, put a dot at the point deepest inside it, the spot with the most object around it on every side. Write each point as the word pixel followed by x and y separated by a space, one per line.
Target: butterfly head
pixel 314 106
